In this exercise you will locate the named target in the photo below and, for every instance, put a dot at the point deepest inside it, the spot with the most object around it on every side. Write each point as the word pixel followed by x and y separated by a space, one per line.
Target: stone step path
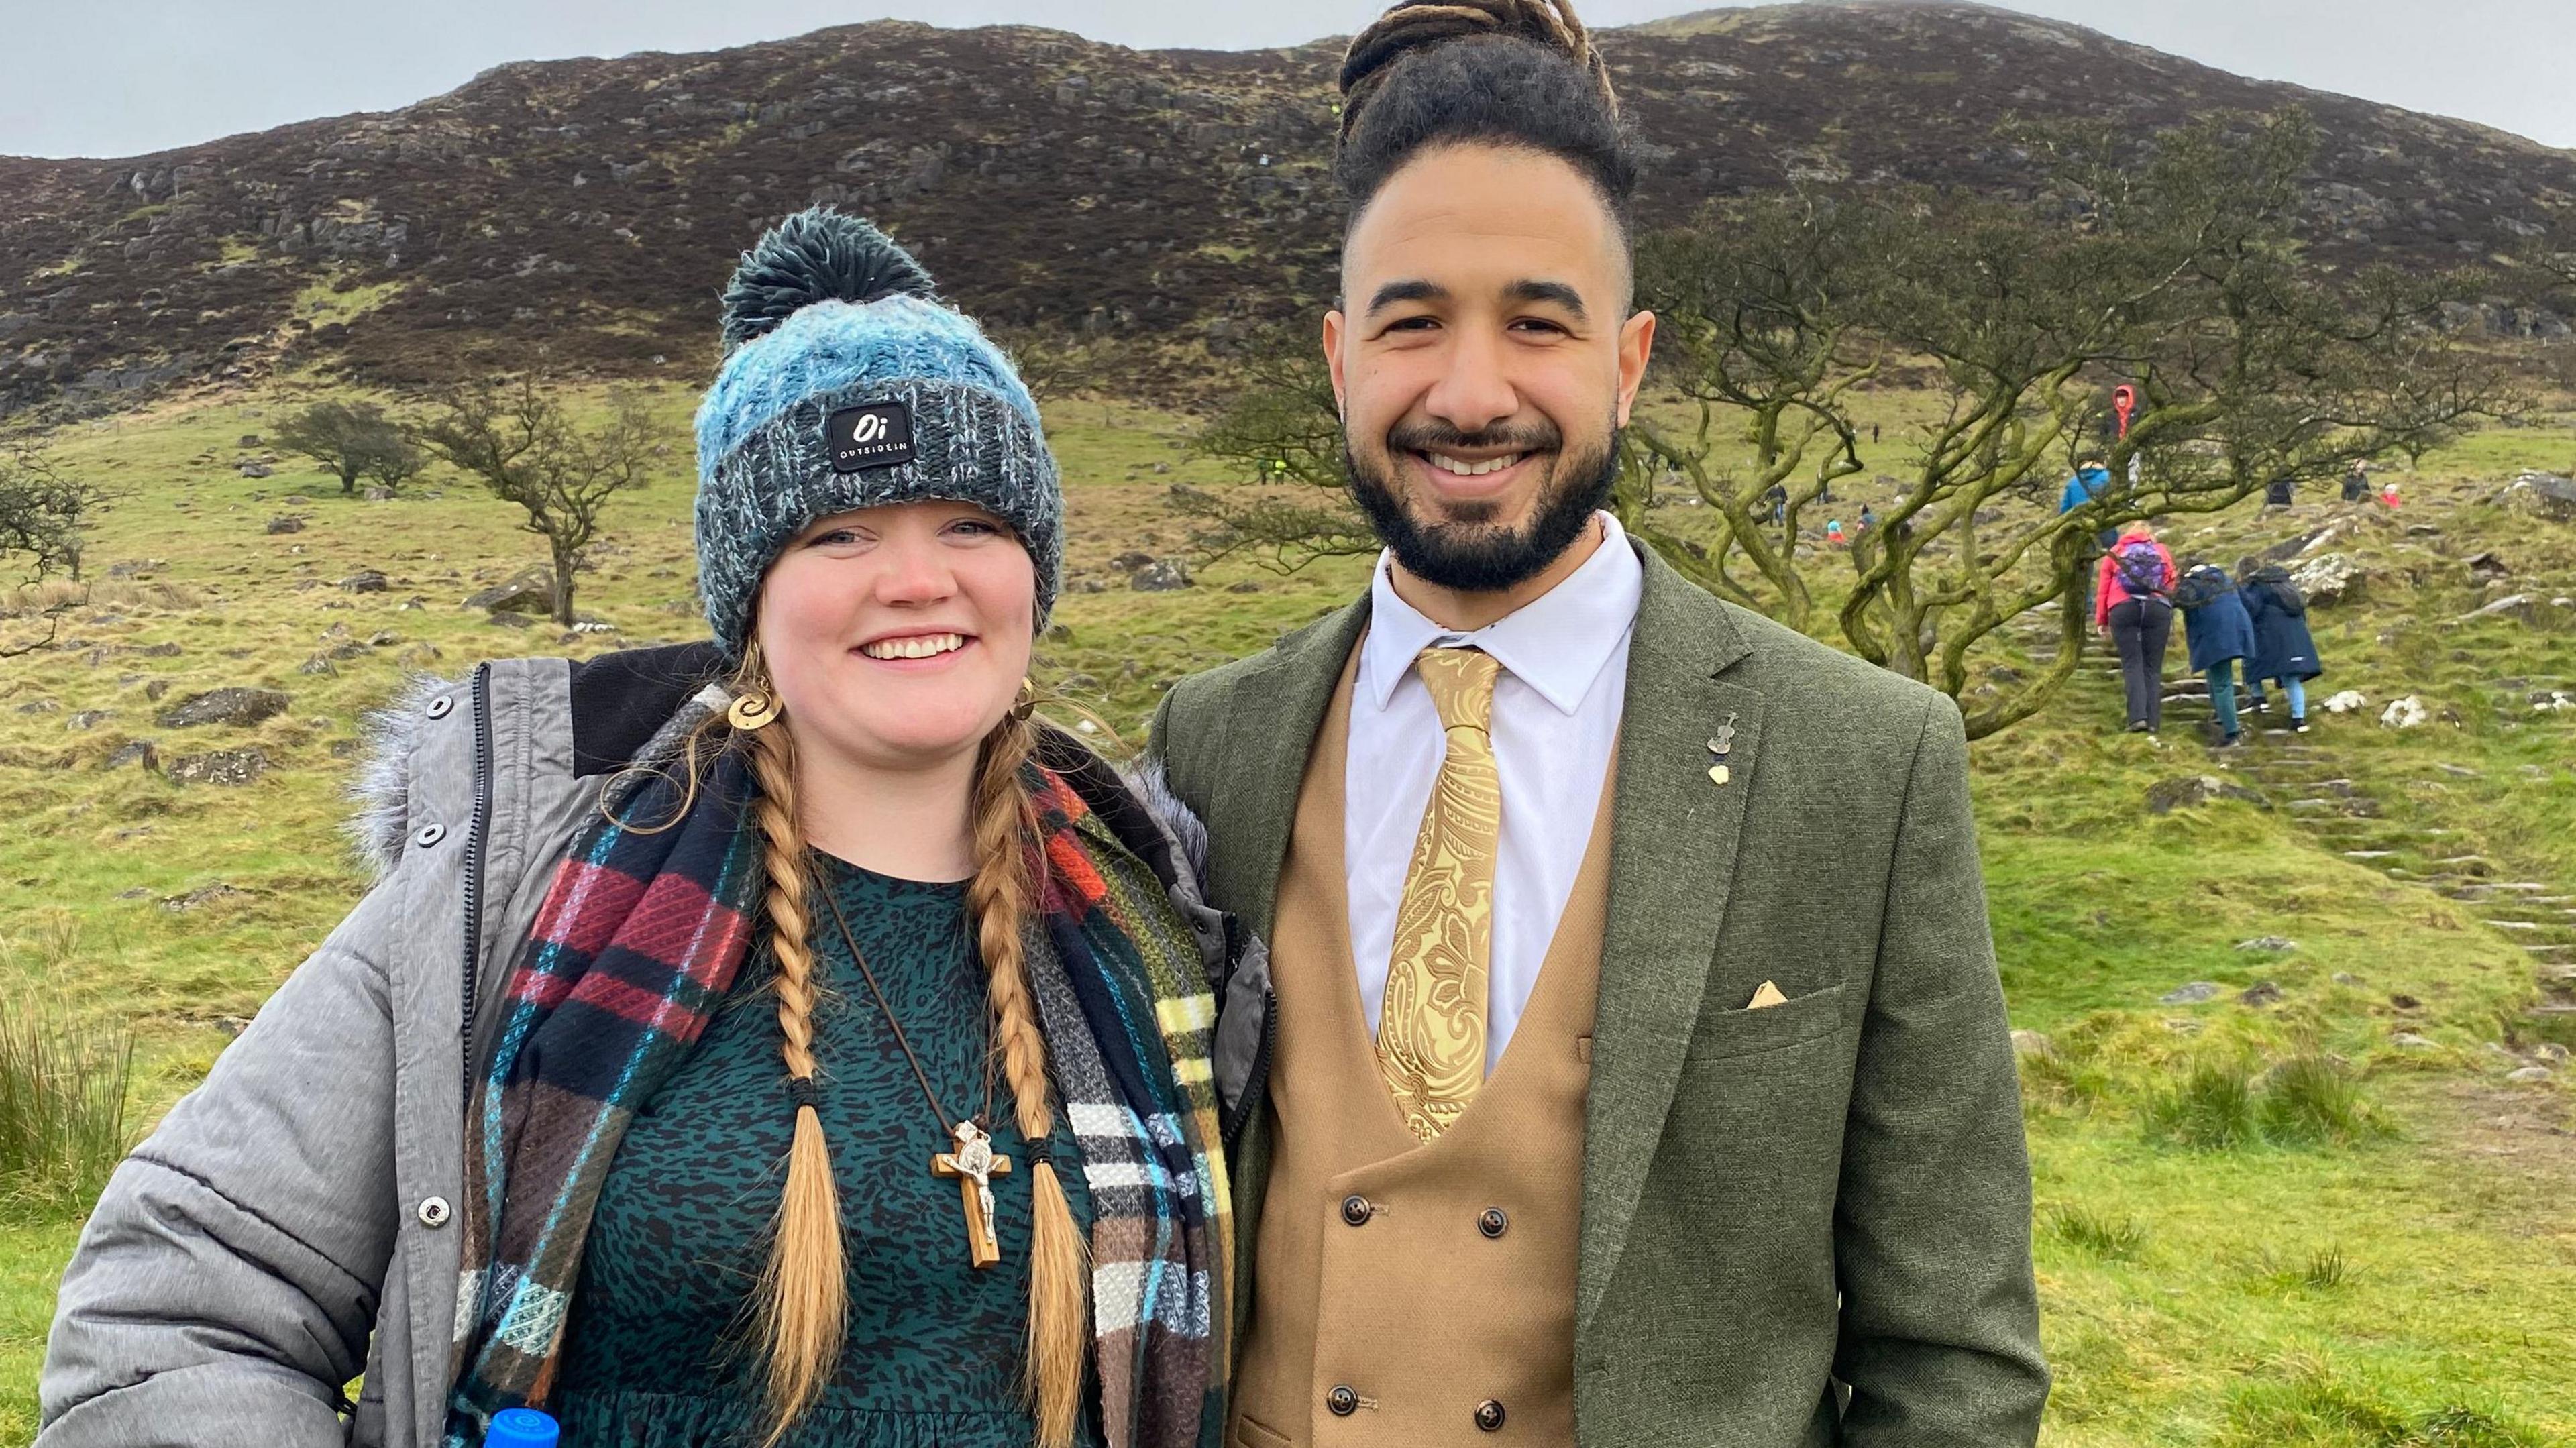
pixel 2344 817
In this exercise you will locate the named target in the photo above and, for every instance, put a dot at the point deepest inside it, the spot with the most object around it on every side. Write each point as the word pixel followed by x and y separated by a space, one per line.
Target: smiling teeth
pixel 1472 470
pixel 922 646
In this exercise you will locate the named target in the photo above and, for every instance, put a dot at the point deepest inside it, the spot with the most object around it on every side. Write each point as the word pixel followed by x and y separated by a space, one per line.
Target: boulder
pixel 2191 791
pixel 1163 575
pixel 2520 607
pixel 530 592
pixel 366 580
pixel 2272 943
pixel 287 524
pixel 257 470
pixel 2032 1043
pixel 2486 567
pixel 2330 578
pixel 2406 713
pixel 2261 993
pixel 2542 495
pixel 2347 702
pixel 2191 994
pixel 221 766
pixel 2528 1075
pixel 140 753
pixel 225 706
pixel 89 718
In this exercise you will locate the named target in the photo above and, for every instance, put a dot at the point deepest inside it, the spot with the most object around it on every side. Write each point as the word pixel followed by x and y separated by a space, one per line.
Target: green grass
pixel 2257 1223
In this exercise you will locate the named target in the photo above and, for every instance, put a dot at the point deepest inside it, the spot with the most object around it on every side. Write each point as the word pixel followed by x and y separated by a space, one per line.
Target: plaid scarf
pixel 639 938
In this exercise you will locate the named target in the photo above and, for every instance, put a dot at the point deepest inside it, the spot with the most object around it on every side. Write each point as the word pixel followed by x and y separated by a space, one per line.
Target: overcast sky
pixel 125 77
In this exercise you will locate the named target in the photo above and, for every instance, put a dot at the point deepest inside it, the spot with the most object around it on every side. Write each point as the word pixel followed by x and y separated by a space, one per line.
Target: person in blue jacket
pixel 2220 634
pixel 2091 481
pixel 2284 651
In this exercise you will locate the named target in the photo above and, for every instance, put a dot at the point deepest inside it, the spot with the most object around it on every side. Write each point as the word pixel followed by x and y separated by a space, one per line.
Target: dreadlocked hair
pixel 1517 73
pixel 802 1304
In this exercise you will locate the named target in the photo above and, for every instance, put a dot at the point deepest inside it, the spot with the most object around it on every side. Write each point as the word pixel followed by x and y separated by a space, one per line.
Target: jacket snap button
pixel 429 835
pixel 1489 1416
pixel 1355 1210
pixel 1494 1222
pixel 439 706
pixel 434 1211
pixel 1342 1400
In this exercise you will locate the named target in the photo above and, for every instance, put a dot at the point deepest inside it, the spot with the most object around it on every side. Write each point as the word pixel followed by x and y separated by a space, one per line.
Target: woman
pixel 2284 651
pixel 2218 635
pixel 820 1036
pixel 2133 607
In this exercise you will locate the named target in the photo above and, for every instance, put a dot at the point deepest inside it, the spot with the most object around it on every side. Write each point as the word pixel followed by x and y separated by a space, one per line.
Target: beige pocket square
pixel 1767 995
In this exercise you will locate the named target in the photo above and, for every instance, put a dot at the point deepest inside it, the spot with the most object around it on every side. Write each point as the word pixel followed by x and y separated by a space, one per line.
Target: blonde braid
pixel 1411 26
pixel 804 1292
pixel 1008 870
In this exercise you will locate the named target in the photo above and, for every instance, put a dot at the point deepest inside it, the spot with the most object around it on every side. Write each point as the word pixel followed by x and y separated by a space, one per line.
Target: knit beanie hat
pixel 847 384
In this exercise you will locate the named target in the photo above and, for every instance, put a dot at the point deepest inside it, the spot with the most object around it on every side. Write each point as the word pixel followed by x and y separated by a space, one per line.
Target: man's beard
pixel 1476 556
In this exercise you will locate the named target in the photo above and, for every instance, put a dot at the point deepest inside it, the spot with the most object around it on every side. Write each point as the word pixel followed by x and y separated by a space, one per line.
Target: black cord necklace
pixel 972 1162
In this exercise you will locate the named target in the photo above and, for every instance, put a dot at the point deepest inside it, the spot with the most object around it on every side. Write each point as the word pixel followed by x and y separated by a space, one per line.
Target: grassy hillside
pixel 2276 1222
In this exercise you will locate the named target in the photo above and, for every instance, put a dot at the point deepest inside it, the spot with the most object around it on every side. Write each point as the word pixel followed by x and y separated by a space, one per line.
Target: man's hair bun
pixel 1411 25
pixel 816 255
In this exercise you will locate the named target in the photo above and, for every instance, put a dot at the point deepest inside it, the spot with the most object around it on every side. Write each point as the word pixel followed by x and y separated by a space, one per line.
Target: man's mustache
pixel 1440 437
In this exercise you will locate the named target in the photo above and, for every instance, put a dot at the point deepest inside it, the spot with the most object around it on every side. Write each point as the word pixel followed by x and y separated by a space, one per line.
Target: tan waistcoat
pixel 1408 1293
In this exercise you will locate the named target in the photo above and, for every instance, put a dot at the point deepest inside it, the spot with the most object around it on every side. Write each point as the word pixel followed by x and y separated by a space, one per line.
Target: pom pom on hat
pixel 816 255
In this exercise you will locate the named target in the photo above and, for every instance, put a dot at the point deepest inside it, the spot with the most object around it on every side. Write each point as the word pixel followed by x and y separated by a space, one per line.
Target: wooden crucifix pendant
pixel 974 1166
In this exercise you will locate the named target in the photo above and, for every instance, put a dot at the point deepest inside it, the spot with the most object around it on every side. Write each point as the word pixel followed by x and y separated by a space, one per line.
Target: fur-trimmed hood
pixel 381 787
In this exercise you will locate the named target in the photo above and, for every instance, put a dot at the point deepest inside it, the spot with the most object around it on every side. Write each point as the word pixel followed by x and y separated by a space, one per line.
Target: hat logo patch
pixel 878 435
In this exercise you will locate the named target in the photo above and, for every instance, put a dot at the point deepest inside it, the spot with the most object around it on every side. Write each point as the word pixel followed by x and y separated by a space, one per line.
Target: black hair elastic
pixel 1041 1153
pixel 801 1091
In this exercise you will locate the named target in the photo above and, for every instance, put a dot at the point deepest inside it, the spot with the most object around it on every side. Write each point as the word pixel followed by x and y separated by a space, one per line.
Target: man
pixel 2356 484
pixel 1629 1064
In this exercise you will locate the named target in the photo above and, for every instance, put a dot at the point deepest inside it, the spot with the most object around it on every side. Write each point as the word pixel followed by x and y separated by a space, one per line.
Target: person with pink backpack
pixel 2133 607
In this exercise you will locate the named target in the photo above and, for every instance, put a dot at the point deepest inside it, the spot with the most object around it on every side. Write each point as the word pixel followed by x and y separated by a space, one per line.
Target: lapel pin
pixel 1722 745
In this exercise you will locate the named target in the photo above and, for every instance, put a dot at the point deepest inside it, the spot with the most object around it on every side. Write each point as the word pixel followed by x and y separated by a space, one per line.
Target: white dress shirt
pixel 1557 702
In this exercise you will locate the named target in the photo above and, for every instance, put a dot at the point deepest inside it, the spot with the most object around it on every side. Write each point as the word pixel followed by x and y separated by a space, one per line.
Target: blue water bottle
pixel 521 1428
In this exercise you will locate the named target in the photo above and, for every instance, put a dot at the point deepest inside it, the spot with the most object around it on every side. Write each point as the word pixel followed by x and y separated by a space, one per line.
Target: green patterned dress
pixel 656 1353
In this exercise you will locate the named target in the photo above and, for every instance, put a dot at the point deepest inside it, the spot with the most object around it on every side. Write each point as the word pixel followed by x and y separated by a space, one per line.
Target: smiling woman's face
pixel 899 636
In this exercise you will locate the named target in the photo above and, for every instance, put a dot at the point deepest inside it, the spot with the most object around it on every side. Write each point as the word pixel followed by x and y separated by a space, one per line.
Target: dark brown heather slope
pixel 578 216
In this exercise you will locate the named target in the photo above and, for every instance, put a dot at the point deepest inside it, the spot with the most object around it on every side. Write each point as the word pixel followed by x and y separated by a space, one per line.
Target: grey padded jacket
pixel 294 1220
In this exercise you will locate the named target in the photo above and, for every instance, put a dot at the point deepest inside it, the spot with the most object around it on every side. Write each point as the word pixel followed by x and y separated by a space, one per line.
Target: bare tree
pixel 1281 433
pixel 45 510
pixel 521 444
pixel 352 441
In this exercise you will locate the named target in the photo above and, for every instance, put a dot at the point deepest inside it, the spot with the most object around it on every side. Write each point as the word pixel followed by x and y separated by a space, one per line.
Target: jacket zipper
pixel 474 847
pixel 1256 1081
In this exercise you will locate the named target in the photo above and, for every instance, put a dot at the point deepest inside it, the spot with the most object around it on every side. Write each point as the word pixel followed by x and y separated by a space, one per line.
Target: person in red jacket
pixel 2133 607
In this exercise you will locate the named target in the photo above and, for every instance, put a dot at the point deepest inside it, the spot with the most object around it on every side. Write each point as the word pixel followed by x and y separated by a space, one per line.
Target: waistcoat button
pixel 1342 1400
pixel 1494 1223
pixel 1489 1416
pixel 434 1211
pixel 1355 1210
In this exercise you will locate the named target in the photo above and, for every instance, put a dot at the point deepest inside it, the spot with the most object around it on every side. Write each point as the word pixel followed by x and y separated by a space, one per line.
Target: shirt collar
pixel 1557 643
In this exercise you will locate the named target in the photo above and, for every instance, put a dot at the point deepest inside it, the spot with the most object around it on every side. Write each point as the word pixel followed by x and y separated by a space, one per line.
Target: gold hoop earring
pixel 1027 702
pixel 751 711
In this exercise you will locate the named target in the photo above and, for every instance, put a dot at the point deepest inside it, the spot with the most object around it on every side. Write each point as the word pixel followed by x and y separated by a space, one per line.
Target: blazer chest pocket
pixel 1723 1035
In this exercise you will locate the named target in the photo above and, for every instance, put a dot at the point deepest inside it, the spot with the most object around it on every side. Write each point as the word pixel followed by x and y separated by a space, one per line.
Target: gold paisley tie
pixel 1431 1029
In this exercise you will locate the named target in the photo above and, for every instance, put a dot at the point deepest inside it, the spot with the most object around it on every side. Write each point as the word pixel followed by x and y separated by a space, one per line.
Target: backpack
pixel 2142 569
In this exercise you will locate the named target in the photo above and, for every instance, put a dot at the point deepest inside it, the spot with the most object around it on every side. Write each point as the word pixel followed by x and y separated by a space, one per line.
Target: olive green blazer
pixel 1802 1224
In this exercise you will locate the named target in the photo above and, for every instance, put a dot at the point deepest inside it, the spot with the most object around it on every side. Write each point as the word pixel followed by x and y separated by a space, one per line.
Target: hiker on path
pixel 2091 482
pixel 2133 607
pixel 2285 653
pixel 1834 532
pixel 2356 484
pixel 1639 1046
pixel 1778 498
pixel 2219 634
pixel 828 1026
pixel 2278 494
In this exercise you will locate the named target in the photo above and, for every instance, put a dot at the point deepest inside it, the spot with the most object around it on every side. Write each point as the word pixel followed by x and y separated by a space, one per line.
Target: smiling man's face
pixel 1485 358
